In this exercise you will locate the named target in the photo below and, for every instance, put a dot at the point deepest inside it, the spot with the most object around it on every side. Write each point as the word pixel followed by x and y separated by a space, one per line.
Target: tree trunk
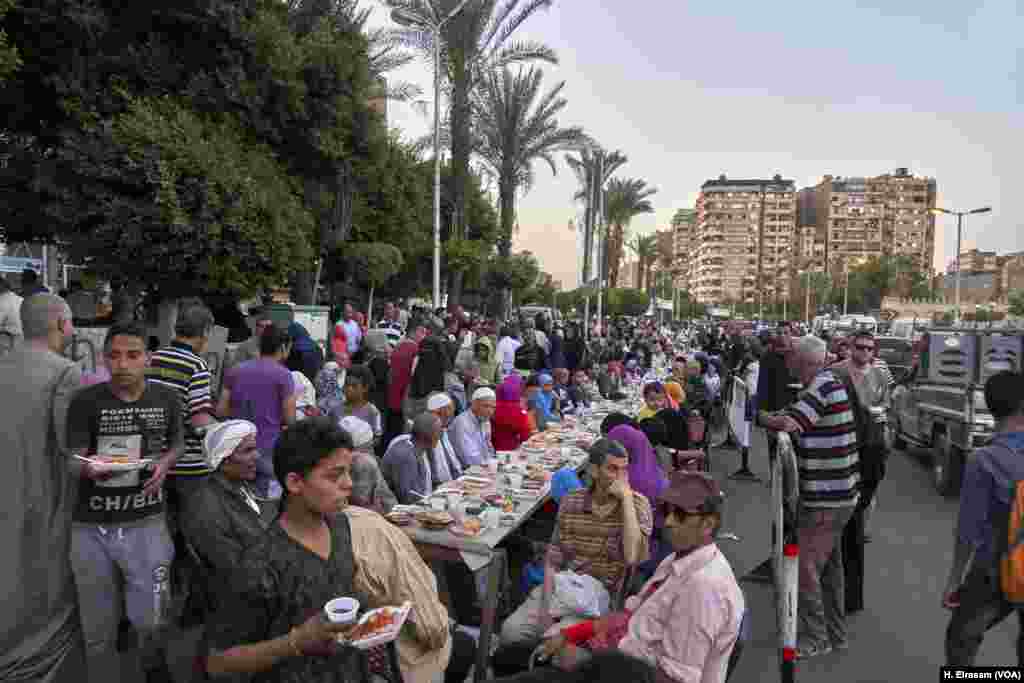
pixel 460 153
pixel 302 291
pixel 507 208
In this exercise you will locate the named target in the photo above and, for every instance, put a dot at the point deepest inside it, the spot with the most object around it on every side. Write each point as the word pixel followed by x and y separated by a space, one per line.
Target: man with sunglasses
pixel 686 619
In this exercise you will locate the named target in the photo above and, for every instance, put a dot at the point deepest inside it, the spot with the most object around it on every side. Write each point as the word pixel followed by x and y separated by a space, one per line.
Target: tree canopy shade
pixel 629 302
pixel 514 126
pixel 9 58
pixel 187 143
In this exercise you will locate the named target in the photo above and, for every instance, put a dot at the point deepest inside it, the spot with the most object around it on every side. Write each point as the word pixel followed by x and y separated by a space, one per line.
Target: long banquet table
pixel 482 551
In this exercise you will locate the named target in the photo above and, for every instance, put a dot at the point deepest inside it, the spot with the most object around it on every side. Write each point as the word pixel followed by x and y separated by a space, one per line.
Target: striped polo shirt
pixel 591 539
pixel 827 454
pixel 178 367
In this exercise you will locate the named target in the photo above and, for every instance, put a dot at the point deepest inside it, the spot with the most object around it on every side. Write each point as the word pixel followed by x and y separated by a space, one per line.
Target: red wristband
pixel 580 633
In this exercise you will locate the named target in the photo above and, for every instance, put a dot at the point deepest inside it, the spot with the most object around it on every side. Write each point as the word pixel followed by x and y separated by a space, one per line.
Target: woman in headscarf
pixel 306 356
pixel 329 383
pixel 675 393
pixel 369 488
pixel 614 420
pixel 378 353
pixel 510 424
pixel 428 372
pixel 305 396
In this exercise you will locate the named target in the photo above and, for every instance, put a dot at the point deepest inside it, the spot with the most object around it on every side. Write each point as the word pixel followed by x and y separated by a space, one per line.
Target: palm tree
pixel 646 249
pixel 590 162
pixel 624 199
pixel 513 127
pixel 475 42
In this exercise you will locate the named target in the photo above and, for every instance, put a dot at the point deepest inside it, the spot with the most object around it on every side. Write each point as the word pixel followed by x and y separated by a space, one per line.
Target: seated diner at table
pixel 406 464
pixel 511 422
pixel 601 530
pixel 686 619
pixel 471 431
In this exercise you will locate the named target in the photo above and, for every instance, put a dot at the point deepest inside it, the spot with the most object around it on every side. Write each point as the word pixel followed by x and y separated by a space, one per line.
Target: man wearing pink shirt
pixel 686 619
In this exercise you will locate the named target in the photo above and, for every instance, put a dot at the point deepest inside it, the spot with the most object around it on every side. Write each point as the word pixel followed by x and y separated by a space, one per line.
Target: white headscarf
pixel 223 438
pixel 304 390
pixel 359 430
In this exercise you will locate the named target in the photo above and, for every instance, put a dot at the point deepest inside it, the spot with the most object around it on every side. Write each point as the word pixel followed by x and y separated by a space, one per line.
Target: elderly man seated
pixel 601 530
pixel 471 431
pixel 406 465
pixel 445 464
pixel 369 488
pixel 686 620
pixel 225 517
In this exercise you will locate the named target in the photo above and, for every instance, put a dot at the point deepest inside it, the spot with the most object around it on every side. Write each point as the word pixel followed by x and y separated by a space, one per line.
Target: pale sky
pixel 690 90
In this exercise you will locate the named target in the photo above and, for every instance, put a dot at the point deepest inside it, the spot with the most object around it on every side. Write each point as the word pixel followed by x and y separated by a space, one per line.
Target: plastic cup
pixel 342 610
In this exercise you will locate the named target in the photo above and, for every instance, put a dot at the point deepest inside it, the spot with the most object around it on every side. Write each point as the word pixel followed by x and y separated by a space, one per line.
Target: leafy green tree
pixel 627 302
pixel 518 272
pixel 10 60
pixel 275 109
pixel 514 126
pixel 1016 300
pixel 374 264
pixel 625 199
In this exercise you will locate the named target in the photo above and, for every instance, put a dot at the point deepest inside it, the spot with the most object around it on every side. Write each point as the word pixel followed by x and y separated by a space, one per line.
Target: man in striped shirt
pixel 826 437
pixel 181 367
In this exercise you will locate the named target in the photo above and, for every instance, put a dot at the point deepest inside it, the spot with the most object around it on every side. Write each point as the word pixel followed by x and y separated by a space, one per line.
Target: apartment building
pixel 975 261
pixel 684 228
pixel 889 214
pixel 744 234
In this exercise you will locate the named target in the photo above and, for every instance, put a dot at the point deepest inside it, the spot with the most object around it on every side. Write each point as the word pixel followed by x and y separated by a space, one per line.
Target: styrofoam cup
pixel 342 610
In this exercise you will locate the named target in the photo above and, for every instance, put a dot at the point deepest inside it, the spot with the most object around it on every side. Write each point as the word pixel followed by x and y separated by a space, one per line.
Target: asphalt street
pixel 899 635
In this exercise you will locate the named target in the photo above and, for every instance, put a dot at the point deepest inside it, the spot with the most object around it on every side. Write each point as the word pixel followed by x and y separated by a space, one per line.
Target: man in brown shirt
pixel 601 530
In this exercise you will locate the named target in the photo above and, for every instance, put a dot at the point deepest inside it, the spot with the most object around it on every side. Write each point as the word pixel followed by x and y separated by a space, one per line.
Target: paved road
pixel 899 635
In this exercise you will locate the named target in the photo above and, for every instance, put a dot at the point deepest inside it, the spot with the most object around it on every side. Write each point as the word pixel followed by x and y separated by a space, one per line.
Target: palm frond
pixel 517 53
pixel 514 21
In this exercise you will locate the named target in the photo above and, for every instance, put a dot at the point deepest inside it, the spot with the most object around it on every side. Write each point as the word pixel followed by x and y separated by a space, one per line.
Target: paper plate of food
pixel 469 527
pixel 434 519
pixel 377 627
pixel 117 463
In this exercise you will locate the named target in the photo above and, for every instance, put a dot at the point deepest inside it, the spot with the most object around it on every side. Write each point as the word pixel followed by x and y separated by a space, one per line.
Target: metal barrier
pixel 785 550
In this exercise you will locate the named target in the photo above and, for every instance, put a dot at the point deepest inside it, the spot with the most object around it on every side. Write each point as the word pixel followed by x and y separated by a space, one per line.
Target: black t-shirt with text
pixel 104 424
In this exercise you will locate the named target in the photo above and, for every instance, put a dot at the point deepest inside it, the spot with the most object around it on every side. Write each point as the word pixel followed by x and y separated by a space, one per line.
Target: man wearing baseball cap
pixel 686 619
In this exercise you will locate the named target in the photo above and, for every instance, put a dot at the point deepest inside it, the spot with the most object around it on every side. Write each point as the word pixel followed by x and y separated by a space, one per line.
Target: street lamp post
pixel 959 238
pixel 407 18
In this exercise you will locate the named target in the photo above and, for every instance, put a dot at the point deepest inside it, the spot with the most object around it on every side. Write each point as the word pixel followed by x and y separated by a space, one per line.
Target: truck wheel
pixel 947 465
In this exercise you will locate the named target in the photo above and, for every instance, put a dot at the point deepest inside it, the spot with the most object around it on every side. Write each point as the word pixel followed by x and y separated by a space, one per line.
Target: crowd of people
pixel 151 496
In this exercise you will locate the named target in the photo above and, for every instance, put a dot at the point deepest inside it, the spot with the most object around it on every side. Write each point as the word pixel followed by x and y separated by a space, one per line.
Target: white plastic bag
pixel 578 595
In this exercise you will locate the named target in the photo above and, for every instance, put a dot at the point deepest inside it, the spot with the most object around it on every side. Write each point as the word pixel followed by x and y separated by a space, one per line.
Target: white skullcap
pixel 223 438
pixel 484 394
pixel 359 430
pixel 438 401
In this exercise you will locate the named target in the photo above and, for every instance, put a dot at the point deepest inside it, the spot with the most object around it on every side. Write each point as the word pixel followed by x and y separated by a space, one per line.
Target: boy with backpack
pixel 978 593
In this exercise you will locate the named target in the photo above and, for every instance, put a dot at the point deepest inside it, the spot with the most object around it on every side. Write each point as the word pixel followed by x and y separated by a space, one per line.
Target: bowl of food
pixel 342 610
pixel 469 526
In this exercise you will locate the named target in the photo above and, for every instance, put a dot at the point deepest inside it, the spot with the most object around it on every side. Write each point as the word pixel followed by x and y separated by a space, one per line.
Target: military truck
pixel 939 404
